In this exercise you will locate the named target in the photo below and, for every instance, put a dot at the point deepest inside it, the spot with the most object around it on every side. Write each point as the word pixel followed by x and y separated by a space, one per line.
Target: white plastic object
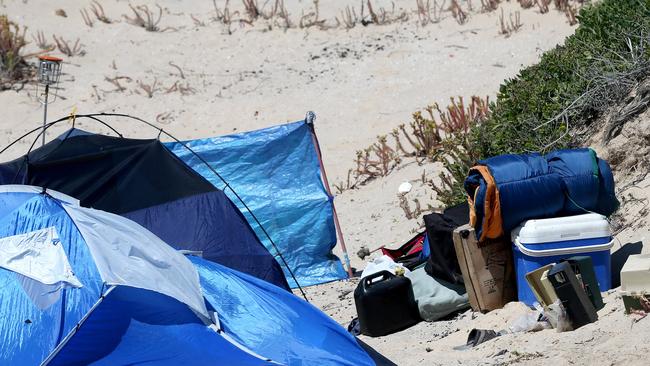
pixel 405 187
pixel 579 227
pixel 635 275
pixel 383 263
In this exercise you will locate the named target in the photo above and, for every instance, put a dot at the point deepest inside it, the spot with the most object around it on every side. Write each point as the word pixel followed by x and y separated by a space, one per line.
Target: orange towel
pixel 492 225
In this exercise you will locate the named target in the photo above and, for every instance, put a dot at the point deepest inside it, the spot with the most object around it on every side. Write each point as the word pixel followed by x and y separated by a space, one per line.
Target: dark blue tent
pixel 142 180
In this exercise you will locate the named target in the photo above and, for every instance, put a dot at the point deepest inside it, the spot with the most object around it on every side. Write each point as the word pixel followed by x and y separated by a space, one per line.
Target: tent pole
pixel 309 119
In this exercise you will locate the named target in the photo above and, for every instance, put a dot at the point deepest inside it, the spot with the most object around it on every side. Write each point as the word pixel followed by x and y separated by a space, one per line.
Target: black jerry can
pixel 385 304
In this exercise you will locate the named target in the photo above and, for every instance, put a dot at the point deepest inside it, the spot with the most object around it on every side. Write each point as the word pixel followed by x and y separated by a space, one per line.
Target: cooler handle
pixel 367 281
pixel 562 251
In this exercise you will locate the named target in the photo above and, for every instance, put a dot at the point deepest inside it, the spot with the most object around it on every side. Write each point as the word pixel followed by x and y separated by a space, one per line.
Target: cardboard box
pixel 488 271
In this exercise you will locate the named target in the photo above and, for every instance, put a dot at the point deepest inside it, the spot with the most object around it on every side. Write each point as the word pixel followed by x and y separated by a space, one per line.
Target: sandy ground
pixel 361 83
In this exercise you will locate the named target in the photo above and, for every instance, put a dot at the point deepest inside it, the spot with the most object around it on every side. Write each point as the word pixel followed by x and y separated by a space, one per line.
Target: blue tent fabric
pixel 276 172
pixel 275 323
pixel 123 325
pixel 189 223
pixel 126 329
pixel 532 186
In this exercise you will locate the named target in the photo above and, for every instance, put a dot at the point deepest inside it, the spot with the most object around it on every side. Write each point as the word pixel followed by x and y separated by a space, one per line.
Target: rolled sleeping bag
pixel 607 201
pixel 506 190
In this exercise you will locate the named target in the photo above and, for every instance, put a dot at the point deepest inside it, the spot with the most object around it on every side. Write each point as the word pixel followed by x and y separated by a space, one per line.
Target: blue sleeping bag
pixel 515 188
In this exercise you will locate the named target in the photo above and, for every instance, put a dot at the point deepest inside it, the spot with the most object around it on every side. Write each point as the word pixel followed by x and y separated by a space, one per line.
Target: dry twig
pixel 147 89
pixel 457 12
pixel 312 19
pixel 428 14
pixel 145 18
pixel 489 5
pixel 349 17
pixel 116 82
pixel 42 43
pixel 68 50
pixel 509 26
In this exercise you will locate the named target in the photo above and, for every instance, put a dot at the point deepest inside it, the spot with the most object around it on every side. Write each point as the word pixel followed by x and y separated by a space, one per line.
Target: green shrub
pixel 545 106
pixel 559 86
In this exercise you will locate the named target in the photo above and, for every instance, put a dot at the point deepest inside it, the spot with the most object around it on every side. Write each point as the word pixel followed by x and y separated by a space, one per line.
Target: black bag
pixel 443 263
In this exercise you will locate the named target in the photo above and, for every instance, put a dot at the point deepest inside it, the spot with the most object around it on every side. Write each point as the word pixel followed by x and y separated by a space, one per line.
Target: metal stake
pixel 47 90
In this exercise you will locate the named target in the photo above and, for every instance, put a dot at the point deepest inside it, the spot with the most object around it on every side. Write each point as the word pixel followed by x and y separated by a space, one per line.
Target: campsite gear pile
pixel 537 232
pixel 553 209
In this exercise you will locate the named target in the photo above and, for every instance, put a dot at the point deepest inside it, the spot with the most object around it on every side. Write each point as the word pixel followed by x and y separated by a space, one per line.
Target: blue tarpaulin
pixel 276 172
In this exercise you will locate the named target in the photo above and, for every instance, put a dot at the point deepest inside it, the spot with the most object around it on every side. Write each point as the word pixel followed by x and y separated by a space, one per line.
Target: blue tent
pixel 276 171
pixel 142 180
pixel 81 286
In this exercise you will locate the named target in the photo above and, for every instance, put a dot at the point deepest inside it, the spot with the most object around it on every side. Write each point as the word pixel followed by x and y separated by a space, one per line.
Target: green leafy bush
pixel 559 87
pixel 549 104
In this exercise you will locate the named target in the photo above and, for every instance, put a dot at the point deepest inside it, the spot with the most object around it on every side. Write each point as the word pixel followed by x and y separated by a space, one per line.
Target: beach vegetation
pixel 13 67
pixel 68 48
pixel 554 103
pixel 551 105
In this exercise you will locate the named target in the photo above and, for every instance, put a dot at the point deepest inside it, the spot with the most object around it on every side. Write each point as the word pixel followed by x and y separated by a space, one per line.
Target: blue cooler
pixel 536 243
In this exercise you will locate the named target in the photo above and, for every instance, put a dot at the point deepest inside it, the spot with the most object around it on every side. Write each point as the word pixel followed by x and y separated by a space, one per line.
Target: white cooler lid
pixel 587 226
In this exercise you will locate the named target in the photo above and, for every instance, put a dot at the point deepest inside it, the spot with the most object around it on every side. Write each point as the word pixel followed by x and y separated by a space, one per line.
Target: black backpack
pixel 443 263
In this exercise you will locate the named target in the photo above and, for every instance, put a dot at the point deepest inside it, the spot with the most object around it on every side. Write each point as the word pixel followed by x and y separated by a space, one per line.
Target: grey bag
pixel 436 299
